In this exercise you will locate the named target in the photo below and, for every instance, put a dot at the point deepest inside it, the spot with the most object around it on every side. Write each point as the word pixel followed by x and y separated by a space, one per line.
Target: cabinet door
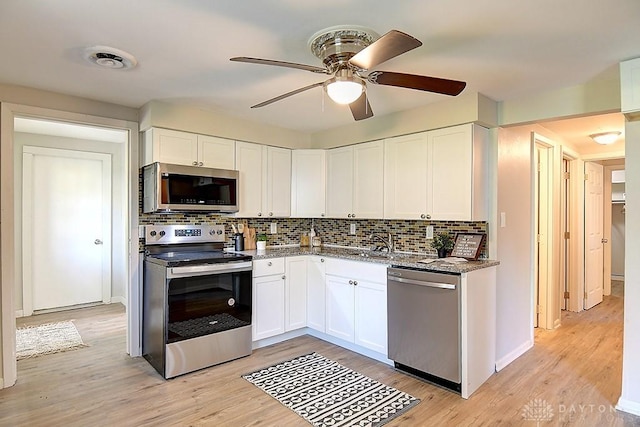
pixel 308 183
pixel 249 164
pixel 405 177
pixel 295 285
pixel 340 182
pixel 316 293
pixel 278 182
pixel 368 166
pixel 450 169
pixel 216 153
pixel 340 318
pixel 170 146
pixel 268 306
pixel 371 316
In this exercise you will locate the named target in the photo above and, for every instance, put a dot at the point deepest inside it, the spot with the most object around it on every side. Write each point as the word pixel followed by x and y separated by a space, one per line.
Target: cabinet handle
pixel 355 283
pixel 423 216
pixel 259 213
pixel 270 213
pixel 269 264
pixel 200 164
pixel 321 259
pixel 351 282
pixel 283 277
pixel 428 216
pixel 322 215
pixel 353 215
pixel 195 163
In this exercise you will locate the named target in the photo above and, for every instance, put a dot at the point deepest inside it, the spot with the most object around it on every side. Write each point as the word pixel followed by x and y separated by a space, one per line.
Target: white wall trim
pixel 617 277
pixel 119 300
pixel 628 406
pixel 19 313
pixel 510 357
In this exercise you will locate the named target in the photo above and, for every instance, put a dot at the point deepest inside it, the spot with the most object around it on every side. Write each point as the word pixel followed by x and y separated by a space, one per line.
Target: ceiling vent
pixel 109 57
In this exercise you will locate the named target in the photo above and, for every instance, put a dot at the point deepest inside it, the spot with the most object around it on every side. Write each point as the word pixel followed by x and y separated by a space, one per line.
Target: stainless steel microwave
pixel 177 188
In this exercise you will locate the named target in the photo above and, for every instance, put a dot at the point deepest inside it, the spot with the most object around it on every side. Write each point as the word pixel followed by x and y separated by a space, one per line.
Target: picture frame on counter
pixel 468 245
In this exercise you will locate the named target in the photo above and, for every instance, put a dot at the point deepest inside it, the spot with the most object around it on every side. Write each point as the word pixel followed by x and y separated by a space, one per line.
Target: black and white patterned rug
pixel 326 393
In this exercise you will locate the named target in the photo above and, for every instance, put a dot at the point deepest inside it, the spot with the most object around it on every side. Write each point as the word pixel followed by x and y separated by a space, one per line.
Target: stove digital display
pixel 189 232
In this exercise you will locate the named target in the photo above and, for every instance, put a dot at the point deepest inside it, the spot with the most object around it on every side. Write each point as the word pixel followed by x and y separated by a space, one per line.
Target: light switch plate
pixel 352 229
pixel 429 231
pixel 274 228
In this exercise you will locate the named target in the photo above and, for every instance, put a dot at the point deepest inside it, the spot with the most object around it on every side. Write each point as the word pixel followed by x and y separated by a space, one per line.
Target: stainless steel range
pixel 196 299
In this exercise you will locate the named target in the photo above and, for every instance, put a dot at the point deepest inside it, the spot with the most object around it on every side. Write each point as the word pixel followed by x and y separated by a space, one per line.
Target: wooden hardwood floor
pixel 575 370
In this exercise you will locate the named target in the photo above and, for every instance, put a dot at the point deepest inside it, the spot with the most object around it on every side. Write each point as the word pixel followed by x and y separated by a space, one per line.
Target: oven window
pixel 198 190
pixel 204 305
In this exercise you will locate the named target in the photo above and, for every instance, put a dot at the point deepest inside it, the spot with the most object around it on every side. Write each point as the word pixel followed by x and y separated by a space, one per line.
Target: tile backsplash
pixel 409 236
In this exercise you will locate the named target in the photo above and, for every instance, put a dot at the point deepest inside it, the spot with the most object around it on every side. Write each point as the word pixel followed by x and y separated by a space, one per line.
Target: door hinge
pixel 566 295
pixel 585 294
pixel 538 311
pixel 539 238
pixel 586 177
pixel 566 235
pixel 539 167
pixel 567 175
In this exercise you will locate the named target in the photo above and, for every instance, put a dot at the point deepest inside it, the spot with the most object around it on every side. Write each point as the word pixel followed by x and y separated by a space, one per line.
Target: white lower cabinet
pixel 295 293
pixel 268 298
pixel 316 293
pixel 356 303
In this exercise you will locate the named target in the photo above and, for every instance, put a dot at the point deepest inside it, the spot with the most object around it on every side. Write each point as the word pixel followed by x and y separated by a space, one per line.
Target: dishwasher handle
pixel 422 283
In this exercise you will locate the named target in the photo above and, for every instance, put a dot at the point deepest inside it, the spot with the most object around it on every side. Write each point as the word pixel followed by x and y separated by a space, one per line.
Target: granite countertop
pixel 395 259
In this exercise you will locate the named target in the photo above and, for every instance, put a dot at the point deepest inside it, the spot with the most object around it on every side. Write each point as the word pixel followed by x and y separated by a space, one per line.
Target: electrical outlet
pixel 429 231
pixel 352 229
pixel 274 228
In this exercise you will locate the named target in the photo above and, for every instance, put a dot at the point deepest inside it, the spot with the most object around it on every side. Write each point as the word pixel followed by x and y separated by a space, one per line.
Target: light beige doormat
pixel 33 341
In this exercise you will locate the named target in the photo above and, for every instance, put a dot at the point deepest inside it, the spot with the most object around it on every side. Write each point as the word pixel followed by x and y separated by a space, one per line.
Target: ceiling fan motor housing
pixel 336 45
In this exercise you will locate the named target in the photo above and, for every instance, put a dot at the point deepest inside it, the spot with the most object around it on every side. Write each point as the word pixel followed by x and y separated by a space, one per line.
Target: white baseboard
pixel 121 300
pixel 278 338
pixel 628 406
pixel 513 355
pixel 617 277
pixel 19 313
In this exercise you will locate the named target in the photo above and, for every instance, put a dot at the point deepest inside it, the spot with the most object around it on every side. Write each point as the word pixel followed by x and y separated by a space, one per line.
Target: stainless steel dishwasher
pixel 423 315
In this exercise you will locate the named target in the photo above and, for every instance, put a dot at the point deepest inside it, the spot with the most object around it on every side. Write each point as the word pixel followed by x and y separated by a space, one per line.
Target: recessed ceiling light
pixel 110 57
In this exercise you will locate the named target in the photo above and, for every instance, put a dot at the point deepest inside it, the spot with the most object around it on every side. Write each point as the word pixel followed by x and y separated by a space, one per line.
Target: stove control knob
pixel 152 233
pixel 162 233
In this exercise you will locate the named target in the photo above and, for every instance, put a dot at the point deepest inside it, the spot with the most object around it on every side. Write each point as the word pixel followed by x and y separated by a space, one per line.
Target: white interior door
pixel 66 228
pixel 593 223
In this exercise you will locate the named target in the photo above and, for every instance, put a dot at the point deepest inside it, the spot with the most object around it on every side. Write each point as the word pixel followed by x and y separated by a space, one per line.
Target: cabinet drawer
pixel 359 270
pixel 266 267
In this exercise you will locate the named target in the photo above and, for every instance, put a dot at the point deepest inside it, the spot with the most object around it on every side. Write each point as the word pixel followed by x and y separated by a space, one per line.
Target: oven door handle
pixel 206 269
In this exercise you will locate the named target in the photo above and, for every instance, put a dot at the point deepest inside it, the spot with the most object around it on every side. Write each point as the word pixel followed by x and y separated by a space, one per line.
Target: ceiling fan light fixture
pixel 605 138
pixel 344 91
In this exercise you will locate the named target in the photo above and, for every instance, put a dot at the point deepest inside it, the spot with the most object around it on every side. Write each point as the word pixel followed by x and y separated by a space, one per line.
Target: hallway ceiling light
pixel 605 138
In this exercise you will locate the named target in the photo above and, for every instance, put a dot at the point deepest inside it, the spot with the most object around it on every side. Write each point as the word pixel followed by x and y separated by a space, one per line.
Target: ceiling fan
pixel 349 54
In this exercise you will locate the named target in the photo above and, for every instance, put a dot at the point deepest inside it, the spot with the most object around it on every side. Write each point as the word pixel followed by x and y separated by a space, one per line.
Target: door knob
pixel 97 242
pixel 604 241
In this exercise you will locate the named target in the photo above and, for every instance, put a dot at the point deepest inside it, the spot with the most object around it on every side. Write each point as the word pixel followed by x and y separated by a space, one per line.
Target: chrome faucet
pixel 387 242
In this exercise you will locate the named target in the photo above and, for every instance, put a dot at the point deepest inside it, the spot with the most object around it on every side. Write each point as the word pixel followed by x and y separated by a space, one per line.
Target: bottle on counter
pixel 304 239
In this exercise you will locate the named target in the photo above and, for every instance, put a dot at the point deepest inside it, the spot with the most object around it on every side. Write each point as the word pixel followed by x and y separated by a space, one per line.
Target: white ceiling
pixel 504 50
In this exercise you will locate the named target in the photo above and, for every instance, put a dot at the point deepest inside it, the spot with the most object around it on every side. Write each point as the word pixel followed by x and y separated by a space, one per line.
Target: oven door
pixel 207 299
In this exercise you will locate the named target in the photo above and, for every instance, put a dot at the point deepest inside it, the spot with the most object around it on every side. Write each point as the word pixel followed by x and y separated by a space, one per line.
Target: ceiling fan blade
pixel 360 108
pixel 304 67
pixel 286 95
pixel 412 81
pixel 388 46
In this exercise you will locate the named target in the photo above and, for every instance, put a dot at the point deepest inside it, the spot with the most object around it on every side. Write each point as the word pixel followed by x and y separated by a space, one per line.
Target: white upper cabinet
pixel 265 180
pixel 308 183
pixel 185 148
pixel 630 85
pixel 437 175
pixel 355 181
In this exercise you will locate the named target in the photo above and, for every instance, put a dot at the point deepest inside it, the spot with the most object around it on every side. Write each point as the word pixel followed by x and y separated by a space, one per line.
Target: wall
pixel 119 268
pixel 469 107
pixel 617 239
pixel 190 119
pixel 630 399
